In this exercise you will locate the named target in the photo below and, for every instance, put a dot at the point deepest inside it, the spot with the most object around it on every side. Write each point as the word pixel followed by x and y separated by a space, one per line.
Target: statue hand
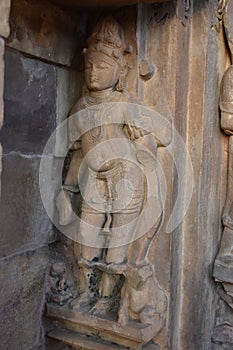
pixel 65 210
pixel 138 128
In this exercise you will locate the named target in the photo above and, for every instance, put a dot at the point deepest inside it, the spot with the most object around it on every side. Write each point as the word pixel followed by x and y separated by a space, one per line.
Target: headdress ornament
pixel 108 38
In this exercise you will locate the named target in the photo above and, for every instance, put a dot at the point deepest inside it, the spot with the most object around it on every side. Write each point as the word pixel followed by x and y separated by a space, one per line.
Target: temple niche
pixel 110 203
pixel 116 196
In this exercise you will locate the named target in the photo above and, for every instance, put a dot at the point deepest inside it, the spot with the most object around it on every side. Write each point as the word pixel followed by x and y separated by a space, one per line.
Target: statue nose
pixel 93 75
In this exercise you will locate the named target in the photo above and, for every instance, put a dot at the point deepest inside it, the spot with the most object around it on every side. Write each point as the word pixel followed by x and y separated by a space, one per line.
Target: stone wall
pixel 37 75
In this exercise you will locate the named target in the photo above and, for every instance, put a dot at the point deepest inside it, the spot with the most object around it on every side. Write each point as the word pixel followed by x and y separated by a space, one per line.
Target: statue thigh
pixel 91 223
pixel 124 226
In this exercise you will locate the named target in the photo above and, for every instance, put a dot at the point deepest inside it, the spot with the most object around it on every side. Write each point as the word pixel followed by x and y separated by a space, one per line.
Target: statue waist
pixel 110 173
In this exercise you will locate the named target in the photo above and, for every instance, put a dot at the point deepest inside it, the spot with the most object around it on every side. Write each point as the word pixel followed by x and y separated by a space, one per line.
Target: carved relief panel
pixel 111 203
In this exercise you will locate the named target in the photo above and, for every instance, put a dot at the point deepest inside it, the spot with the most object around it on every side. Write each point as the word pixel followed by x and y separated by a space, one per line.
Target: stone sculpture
pixel 223 267
pixel 61 284
pixel 114 149
pixel 141 297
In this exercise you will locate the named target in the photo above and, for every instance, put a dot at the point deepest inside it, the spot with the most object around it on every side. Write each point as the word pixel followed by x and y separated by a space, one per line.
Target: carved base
pixel 81 341
pixel 93 333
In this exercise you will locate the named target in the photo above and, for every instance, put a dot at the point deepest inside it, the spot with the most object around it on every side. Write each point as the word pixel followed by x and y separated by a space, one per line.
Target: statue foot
pixel 101 307
pixel 85 299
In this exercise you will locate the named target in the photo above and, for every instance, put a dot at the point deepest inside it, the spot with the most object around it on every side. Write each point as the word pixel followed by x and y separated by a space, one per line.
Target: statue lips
pixel 94 84
pixel 93 80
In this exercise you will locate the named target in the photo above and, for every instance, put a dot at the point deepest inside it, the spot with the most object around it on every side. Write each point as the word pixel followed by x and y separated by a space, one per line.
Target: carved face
pixel 101 72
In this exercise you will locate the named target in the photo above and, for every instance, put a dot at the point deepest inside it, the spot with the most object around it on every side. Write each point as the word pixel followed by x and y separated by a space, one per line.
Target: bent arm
pixel 71 180
pixel 70 187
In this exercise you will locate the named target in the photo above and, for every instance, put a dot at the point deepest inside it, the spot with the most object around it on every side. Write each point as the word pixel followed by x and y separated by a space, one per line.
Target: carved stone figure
pixel 114 149
pixel 61 284
pixel 141 297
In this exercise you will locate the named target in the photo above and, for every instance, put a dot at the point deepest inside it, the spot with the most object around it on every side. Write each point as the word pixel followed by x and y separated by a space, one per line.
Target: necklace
pixel 95 105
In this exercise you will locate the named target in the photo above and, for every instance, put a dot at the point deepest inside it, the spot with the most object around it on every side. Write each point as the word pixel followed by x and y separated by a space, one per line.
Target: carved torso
pixel 101 130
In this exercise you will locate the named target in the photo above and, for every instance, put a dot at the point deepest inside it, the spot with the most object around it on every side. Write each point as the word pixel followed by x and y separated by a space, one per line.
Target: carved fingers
pixel 137 129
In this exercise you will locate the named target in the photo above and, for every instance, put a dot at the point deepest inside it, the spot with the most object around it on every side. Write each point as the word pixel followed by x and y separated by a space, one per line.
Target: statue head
pixel 138 274
pixel 104 56
pixel 58 269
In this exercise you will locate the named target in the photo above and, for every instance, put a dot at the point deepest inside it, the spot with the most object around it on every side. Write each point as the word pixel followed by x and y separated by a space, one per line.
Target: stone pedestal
pixel 90 332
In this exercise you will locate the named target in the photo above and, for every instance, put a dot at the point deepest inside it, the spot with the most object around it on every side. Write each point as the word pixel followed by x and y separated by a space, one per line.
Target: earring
pixel 120 86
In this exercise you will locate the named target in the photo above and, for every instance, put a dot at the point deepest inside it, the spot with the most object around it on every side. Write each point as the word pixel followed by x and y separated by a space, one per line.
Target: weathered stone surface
pixel 223 337
pixel 195 241
pixel 30 104
pixel 101 3
pixel 221 346
pixel 43 30
pixel 24 223
pixel 0 167
pixel 21 302
pixel 2 44
pixel 4 17
pixel 69 86
pixel 1 98
pixel 52 344
pixel 84 343
pixel 129 335
pixel 157 92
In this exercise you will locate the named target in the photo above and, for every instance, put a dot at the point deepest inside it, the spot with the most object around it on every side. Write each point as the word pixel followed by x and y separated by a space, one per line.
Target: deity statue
pixel 113 150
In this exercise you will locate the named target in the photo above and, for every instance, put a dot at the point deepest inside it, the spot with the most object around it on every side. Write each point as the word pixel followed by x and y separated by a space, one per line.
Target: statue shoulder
pixel 127 97
pixel 78 106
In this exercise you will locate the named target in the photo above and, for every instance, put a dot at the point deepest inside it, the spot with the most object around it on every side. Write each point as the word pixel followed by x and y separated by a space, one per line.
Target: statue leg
pixel 123 229
pixel 88 248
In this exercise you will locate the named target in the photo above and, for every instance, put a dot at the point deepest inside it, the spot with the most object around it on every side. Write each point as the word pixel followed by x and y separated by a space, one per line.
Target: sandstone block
pixel 24 223
pixel 43 30
pixel 21 302
pixel 30 104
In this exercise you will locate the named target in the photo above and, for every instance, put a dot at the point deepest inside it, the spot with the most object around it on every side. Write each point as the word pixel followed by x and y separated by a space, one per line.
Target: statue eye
pixel 102 66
